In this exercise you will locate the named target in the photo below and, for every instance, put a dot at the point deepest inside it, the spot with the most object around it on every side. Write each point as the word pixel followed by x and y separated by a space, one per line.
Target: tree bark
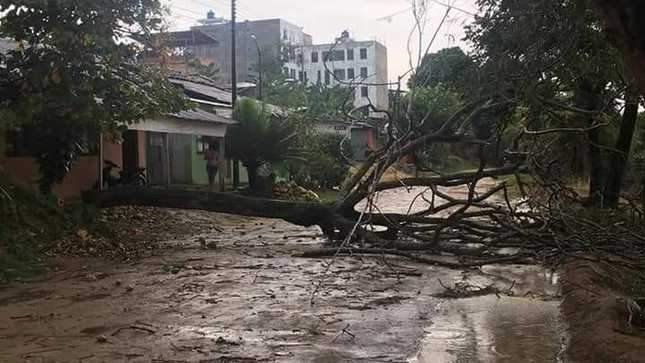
pixel 620 156
pixel 623 25
pixel 587 97
pixel 252 170
pixel 300 213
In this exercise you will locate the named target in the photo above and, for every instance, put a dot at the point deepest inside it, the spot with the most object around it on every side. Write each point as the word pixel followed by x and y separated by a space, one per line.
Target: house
pixel 169 147
pixel 363 137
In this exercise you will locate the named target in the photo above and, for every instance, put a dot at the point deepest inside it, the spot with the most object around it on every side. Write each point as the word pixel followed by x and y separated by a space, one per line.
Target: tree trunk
pixel 623 23
pixel 587 97
pixel 252 170
pixel 300 213
pixel 620 156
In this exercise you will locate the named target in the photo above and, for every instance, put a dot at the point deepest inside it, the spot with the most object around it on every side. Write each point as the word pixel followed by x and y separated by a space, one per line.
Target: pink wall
pixel 112 152
pixel 141 135
pixel 83 176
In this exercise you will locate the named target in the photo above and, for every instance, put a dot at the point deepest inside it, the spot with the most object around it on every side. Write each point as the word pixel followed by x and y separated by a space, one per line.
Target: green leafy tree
pixel 210 70
pixel 431 106
pixel 326 165
pixel 259 138
pixel 75 73
pixel 449 66
pixel 553 60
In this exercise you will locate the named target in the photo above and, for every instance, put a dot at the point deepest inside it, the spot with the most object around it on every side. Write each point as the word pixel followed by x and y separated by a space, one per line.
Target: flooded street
pixel 237 295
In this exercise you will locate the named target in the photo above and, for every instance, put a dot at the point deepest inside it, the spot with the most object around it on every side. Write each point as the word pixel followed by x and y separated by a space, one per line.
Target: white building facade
pixel 349 63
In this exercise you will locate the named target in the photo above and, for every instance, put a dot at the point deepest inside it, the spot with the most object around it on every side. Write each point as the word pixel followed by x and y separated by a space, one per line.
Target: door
pixel 180 159
pixel 156 158
pixel 130 151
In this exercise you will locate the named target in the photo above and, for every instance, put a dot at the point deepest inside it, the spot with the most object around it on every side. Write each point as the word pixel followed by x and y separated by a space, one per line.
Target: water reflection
pixel 492 329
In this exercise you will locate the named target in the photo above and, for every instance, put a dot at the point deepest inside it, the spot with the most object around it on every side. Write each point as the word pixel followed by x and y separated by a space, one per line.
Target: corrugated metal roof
pixel 201 115
pixel 205 90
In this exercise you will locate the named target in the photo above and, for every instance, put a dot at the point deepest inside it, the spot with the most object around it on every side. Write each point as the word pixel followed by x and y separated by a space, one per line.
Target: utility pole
pixel 236 163
pixel 233 54
pixel 259 85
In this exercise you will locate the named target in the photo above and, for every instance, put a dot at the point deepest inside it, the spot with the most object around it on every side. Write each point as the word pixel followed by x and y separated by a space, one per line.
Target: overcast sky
pixel 388 21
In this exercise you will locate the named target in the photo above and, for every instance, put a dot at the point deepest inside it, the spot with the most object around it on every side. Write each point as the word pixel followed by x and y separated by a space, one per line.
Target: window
pixel 363 72
pixel 327 78
pixel 306 78
pixel 350 73
pixel 314 57
pixel 293 74
pixel 339 55
pixel 326 56
pixel 339 74
pixel 202 144
pixel 363 53
pixel 319 77
pixel 301 76
pixel 364 91
pixel 350 54
pixel 285 70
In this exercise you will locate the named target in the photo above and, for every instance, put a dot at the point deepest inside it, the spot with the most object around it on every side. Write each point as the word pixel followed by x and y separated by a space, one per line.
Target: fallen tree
pixel 473 228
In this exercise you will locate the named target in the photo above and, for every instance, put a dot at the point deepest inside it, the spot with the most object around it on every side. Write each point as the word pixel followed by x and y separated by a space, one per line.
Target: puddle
pixel 526 327
pixel 250 298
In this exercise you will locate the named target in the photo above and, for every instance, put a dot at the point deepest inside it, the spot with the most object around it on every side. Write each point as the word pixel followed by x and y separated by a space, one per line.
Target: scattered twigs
pixel 463 289
pixel 332 252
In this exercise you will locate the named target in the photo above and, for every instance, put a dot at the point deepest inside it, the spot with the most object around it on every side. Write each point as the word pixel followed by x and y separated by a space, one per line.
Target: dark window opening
pixel 314 57
pixel 364 92
pixel 363 72
pixel 339 74
pixel 339 55
pixel 350 73
pixel 319 77
pixel 350 54
pixel 327 77
pixel 363 53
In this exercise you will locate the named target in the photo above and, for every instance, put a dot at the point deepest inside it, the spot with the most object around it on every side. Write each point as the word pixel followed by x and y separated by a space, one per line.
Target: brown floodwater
pixel 250 300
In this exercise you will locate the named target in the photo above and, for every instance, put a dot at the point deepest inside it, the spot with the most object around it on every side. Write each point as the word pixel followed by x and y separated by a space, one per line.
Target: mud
pixel 239 296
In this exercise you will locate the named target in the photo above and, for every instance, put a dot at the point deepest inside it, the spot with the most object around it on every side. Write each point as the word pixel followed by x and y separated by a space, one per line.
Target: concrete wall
pixel 83 175
pixel 270 34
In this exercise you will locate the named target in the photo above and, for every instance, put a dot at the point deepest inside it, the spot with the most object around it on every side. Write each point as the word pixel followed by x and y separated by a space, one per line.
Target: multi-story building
pixel 210 42
pixel 349 63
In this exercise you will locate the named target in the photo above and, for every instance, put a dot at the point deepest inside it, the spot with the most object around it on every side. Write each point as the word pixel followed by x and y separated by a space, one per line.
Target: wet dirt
pixel 236 294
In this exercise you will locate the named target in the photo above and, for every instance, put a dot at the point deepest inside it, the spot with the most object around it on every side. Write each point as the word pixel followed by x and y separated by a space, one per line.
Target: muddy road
pixel 236 294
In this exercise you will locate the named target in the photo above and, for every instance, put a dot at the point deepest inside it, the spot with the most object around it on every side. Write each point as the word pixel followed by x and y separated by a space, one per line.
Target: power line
pixel 454 7
pixel 389 17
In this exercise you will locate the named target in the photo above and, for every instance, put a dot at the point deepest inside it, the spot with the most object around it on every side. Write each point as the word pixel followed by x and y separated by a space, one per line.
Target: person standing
pixel 212 159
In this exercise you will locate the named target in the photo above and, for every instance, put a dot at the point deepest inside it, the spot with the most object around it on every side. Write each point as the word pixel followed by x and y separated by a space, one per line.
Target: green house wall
pixel 200 177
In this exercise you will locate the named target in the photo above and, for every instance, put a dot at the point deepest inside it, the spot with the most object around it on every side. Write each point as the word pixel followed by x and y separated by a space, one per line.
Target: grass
pixel 29 223
pixel 328 196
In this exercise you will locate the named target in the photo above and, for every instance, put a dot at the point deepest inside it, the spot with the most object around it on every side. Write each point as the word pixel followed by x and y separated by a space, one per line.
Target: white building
pixel 350 63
